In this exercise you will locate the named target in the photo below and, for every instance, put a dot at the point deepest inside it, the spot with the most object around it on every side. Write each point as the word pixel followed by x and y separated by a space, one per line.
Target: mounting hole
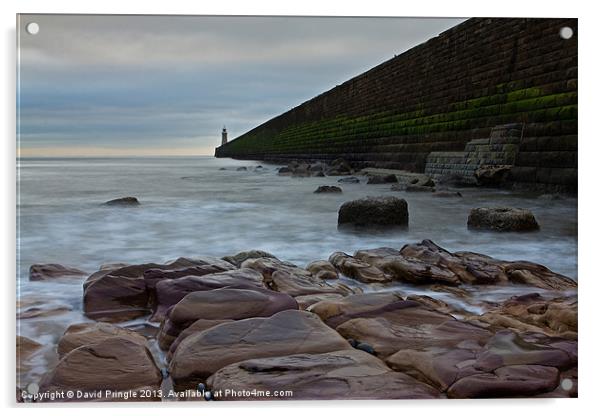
pixel 566 32
pixel 32 28
pixel 566 384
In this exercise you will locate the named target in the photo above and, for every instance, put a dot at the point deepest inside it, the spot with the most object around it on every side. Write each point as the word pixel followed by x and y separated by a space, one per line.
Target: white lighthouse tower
pixel 224 136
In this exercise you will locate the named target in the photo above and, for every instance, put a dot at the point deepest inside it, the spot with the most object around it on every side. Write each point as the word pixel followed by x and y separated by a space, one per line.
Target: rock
pixel 25 349
pixel 511 381
pixel 422 180
pixel 492 175
pixel 239 258
pixel 381 179
pixel 287 332
pixel 153 276
pixel 447 194
pixel 288 278
pixel 532 312
pixel 374 211
pixel 325 189
pixel 117 295
pixel 128 201
pixel 502 219
pixel 338 167
pixel 222 169
pixel 117 364
pixel 241 169
pixel 167 342
pixel 39 272
pixel 284 171
pixel 305 301
pixel 337 311
pixel 322 270
pixel 347 374
pixel 221 304
pixel 350 179
pixel 78 335
pixel 418 188
pixel 357 269
pixel 170 292
pixel 43 311
pixel 398 187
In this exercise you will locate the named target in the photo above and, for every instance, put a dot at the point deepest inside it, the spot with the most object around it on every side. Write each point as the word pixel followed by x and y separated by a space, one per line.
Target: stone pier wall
pixel 437 97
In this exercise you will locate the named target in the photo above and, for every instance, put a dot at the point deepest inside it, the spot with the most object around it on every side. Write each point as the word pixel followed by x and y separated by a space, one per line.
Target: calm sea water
pixel 190 207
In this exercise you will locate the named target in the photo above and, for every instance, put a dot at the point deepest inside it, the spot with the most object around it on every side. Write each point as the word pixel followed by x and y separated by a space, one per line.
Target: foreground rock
pixel 222 304
pixel 325 189
pixel 427 263
pixel 357 269
pixel 25 349
pixel 374 211
pixel 117 364
pixel 239 258
pixel 52 271
pixel 121 294
pixel 78 335
pixel 128 201
pixel 285 333
pixel 502 219
pixel 347 374
pixel 323 270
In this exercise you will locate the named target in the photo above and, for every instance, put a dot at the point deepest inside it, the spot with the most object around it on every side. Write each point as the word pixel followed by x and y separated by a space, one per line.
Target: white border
pixel 590 153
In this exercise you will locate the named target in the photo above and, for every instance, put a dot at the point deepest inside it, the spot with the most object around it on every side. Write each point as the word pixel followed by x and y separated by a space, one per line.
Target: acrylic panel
pixel 295 208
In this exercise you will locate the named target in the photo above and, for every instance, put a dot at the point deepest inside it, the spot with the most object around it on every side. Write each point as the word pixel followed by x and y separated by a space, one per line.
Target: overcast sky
pixel 165 85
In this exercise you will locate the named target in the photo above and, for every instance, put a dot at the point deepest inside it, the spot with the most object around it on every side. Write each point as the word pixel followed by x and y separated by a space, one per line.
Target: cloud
pixel 144 83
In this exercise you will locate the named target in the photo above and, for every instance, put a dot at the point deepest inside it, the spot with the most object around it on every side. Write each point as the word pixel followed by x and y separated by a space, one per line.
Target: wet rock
pixel 323 270
pixel 154 276
pixel 285 333
pixel 338 311
pixel 374 211
pixel 241 169
pixel 381 179
pixel 511 381
pixel 39 272
pixel 128 201
pixel 422 180
pixel 43 310
pixel 502 219
pixel 305 301
pixel 169 342
pixel 409 325
pixel 117 295
pixel 350 179
pixel 532 312
pixel 347 374
pixel 91 333
pixel 116 364
pixel 338 167
pixel 357 269
pixel 170 292
pixel 492 175
pixel 25 349
pixel 220 304
pixel 325 189
pixel 284 171
pixel 239 258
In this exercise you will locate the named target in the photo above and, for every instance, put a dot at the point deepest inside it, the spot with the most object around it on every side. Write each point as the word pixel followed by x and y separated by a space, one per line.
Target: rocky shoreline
pixel 251 321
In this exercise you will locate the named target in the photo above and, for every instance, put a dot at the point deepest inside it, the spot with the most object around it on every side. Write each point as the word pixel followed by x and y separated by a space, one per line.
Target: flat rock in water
pixel 502 219
pixel 52 271
pixel 285 333
pixel 347 374
pixel 325 189
pixel 116 364
pixel 350 179
pixel 374 212
pixel 128 201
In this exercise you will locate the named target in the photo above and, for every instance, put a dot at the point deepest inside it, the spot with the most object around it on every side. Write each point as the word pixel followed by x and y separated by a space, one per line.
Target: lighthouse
pixel 224 136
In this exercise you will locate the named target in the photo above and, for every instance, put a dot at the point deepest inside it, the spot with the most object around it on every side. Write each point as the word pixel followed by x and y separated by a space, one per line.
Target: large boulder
pixel 492 175
pixel 154 276
pixel 322 270
pixel 374 211
pixel 220 304
pixel 52 271
pixel 502 219
pixel 121 294
pixel 117 364
pixel 381 179
pixel 285 333
pixel 87 333
pixel 197 326
pixel 347 374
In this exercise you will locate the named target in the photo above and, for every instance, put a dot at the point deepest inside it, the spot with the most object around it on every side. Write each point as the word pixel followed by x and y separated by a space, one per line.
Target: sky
pixel 93 85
